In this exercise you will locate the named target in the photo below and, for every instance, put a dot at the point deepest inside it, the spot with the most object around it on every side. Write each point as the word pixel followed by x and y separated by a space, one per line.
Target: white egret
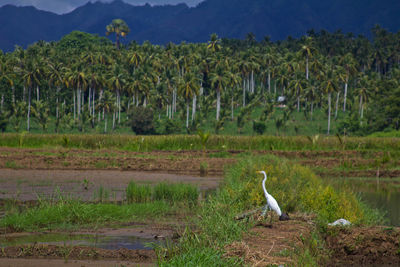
pixel 271 202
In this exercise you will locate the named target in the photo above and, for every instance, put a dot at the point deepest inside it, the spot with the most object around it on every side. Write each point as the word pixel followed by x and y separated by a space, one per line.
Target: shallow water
pixel 389 202
pixel 384 196
pixel 90 240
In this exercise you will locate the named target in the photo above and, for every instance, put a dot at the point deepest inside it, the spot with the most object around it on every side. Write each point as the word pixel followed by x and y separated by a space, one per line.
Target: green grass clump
pixel 175 192
pixel 296 188
pixel 67 214
pixel 138 193
pixel 393 133
pixel 162 192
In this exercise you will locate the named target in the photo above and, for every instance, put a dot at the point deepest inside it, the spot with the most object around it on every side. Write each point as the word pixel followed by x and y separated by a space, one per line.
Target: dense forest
pixel 84 81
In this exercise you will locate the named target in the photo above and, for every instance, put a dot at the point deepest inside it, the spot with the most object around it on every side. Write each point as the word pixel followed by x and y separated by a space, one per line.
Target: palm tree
pixel 350 66
pixel 219 80
pixel 307 51
pixel 120 28
pixel 188 87
pixel 214 43
pixel 329 85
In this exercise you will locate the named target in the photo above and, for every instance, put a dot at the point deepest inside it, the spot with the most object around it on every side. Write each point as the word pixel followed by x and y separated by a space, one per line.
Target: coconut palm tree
pixel 329 86
pixel 120 28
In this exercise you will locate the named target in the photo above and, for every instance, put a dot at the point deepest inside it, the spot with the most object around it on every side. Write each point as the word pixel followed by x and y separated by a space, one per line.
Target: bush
pixel 4 119
pixel 142 122
pixel 259 127
pixel 296 188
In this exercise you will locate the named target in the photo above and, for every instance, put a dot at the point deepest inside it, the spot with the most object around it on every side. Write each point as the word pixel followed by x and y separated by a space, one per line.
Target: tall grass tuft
pixel 175 192
pixel 162 192
pixel 138 193
pixel 70 214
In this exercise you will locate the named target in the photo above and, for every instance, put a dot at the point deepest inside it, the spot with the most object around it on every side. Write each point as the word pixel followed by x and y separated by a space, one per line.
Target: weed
pixel 203 169
pixel 11 165
pixel 70 214
pixel 101 165
pixel 101 194
pixel 65 141
pixel 175 192
pixel 86 183
pixel 138 193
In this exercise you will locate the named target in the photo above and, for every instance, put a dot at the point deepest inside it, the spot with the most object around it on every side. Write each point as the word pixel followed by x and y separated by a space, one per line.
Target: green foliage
pixel 295 188
pixel 187 142
pixel 41 111
pixel 79 41
pixel 142 122
pixel 138 193
pixel 67 213
pixel 351 125
pixel 175 192
pixel 4 120
pixel 204 136
pixel 259 127
pixel 161 192
pixel 168 126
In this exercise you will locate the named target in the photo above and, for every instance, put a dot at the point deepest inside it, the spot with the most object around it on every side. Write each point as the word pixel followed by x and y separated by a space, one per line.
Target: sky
pixel 65 6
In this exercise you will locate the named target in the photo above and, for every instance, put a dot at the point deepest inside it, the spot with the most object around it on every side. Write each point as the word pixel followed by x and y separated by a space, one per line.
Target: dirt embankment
pixel 277 244
pixel 364 246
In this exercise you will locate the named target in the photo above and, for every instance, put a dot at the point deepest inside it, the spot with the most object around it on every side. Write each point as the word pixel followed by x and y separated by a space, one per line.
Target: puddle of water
pixel 90 240
pixel 389 202
pixel 383 196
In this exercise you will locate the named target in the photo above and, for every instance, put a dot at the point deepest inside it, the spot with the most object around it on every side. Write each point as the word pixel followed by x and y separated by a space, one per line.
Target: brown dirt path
pixel 267 244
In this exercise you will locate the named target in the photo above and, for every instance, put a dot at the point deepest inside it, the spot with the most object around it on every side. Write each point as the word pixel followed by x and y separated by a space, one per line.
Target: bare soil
pixel 273 244
pixel 77 253
pixel 364 246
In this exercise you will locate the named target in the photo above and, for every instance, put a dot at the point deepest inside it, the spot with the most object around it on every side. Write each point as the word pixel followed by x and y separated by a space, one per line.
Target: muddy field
pixel 325 163
pixel 26 174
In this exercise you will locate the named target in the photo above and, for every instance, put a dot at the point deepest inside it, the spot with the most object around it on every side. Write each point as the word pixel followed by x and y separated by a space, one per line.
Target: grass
pixel 162 192
pixel 193 142
pixel 73 214
pixel 295 187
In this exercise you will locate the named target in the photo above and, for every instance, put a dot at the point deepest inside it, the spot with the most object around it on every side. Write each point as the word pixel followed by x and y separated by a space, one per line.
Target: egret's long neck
pixel 263 185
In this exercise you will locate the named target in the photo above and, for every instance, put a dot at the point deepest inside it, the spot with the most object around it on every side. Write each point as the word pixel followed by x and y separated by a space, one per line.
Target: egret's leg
pixel 264 211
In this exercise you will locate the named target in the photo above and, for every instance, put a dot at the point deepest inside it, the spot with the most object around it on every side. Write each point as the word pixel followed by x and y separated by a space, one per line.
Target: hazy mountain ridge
pixel 228 18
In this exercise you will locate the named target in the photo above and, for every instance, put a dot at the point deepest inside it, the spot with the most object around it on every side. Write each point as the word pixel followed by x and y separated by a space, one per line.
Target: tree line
pixel 82 80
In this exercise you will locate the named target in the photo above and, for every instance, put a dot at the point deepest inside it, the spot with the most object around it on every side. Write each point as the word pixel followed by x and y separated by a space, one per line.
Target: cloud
pixel 65 6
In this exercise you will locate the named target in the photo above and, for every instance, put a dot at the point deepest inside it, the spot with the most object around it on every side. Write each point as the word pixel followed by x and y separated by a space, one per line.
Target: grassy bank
pixel 193 142
pixel 295 187
pixel 67 213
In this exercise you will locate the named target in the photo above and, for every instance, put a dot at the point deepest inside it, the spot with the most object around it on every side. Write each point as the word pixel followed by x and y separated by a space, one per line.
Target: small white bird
pixel 271 202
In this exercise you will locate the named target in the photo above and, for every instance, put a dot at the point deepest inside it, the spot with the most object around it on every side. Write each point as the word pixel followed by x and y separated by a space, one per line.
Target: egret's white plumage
pixel 271 202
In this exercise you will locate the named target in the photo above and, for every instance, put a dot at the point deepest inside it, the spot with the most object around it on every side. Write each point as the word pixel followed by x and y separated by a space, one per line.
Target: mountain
pixel 228 18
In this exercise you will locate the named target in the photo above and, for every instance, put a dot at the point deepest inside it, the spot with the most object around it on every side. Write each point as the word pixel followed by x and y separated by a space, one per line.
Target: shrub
pixel 294 187
pixel 142 121
pixel 259 127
